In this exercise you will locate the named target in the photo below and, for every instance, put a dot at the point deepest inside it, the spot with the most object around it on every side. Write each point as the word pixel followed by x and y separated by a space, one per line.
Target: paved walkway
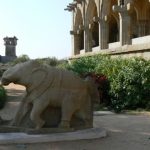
pixel 125 132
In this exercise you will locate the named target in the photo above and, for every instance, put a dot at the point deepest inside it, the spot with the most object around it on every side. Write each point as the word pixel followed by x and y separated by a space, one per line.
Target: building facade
pixel 115 27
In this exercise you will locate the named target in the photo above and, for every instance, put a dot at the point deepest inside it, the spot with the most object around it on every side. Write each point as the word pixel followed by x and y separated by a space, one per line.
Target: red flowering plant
pixel 103 87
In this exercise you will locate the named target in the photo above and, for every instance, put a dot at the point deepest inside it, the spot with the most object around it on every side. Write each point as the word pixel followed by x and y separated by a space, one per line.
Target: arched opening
pixel 93 24
pixel 81 39
pixel 95 34
pixel 95 28
pixel 140 19
pixel 134 24
pixel 79 32
pixel 113 30
pixel 113 21
pixel 148 18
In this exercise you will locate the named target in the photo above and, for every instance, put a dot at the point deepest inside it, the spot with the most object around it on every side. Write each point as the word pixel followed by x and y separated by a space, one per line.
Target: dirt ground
pixel 125 132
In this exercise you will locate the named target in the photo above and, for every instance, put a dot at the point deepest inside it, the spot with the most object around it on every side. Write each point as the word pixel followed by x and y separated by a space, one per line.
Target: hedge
pixel 129 79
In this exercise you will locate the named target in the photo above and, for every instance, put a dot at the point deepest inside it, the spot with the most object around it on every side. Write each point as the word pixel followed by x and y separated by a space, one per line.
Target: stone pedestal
pixel 23 138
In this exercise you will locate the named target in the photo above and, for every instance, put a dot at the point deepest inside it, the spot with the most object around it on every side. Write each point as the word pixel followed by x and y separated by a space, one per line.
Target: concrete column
pixel 72 35
pixel 88 38
pixel 85 39
pixel 73 45
pixel 103 33
pixel 84 24
pixel 73 42
pixel 125 23
pixel 75 39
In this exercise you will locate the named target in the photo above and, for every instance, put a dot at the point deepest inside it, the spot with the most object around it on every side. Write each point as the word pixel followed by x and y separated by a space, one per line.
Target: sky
pixel 41 26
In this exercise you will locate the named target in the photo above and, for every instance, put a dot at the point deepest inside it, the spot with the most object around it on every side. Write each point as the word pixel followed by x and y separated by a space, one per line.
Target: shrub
pixel 51 61
pixel 130 82
pixel 2 97
pixel 21 59
pixel 129 79
pixel 85 65
pixel 103 87
pixel 64 64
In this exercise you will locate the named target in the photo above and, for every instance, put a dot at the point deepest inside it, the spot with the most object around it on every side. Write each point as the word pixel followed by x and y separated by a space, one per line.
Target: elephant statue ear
pixel 38 78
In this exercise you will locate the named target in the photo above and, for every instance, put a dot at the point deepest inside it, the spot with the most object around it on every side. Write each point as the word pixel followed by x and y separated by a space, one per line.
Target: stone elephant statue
pixel 49 86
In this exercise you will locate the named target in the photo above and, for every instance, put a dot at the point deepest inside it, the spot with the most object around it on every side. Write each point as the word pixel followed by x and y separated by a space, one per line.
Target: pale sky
pixel 42 27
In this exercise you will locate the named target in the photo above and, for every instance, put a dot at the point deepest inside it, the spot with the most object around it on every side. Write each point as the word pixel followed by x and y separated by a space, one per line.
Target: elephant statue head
pixel 24 74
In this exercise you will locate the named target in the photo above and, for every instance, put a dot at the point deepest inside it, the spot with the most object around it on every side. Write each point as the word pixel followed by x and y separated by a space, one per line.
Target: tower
pixel 10 46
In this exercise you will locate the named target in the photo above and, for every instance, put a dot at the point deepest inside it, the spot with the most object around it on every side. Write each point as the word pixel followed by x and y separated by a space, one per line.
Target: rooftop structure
pixel 10 49
pixel 10 46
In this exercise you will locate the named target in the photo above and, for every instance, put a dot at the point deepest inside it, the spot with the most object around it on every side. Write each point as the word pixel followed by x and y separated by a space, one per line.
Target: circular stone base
pixel 23 138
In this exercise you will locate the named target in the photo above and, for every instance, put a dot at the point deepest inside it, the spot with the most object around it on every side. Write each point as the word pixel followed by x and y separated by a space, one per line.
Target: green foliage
pixel 49 61
pixel 2 97
pixel 21 59
pixel 85 65
pixel 52 61
pixel 130 83
pixel 64 64
pixel 129 79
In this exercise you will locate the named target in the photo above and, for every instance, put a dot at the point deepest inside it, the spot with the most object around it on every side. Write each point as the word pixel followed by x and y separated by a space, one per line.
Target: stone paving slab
pixel 99 113
pixel 23 138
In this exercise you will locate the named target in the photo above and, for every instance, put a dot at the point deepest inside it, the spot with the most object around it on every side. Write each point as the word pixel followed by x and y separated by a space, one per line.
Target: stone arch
pixel 134 23
pixel 79 32
pixel 141 10
pixel 113 30
pixel 105 8
pixel 92 10
pixel 113 21
pixel 92 24
pixel 78 19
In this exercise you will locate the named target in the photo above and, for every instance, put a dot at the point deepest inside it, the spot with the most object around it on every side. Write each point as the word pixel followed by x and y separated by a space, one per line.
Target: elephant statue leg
pixel 68 110
pixel 36 112
pixel 86 114
pixel 85 117
pixel 22 111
